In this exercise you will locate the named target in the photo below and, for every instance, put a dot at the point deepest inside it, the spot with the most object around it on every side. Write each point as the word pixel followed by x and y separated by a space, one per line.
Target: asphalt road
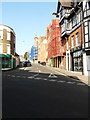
pixel 39 92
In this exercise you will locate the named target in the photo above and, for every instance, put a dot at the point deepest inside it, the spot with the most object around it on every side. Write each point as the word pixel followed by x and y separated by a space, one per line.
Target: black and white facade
pixel 86 27
pixel 73 16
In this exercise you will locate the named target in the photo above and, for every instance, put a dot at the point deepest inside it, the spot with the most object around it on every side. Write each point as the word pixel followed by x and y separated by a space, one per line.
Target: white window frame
pixel 1 34
pixel 9 50
pixel 2 47
pixel 77 39
pixel 67 44
pixel 72 41
pixel 8 35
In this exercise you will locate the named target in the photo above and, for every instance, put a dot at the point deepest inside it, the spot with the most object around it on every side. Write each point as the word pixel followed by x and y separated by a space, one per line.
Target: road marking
pixel 52 76
pixel 18 76
pixel 37 78
pixel 81 84
pixel 13 75
pixel 61 81
pixel 60 73
pixel 45 79
pixel 52 80
pixel 21 68
pixel 71 82
pixel 30 77
pixel 36 74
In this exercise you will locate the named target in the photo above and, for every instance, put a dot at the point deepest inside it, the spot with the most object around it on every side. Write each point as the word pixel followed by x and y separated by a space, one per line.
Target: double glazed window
pixel 1 34
pixel 1 48
pixel 72 41
pixel 77 38
pixel 8 48
pixel 8 35
pixel 67 44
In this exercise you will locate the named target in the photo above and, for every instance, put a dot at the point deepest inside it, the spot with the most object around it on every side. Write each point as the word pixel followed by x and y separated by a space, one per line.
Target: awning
pixel 5 55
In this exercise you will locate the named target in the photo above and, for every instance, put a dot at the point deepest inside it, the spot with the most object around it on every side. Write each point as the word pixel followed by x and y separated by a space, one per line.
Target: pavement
pixel 72 74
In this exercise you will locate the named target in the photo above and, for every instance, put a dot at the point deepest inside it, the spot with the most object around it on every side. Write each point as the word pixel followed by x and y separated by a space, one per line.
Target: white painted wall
pixel 86 64
pixel 70 61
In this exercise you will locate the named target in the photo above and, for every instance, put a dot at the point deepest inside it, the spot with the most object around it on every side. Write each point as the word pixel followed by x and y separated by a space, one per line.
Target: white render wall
pixel 86 64
pixel 70 61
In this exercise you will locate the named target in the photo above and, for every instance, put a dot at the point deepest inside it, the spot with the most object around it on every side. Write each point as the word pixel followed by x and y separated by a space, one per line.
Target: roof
pixel 16 54
pixel 67 3
pixel 7 27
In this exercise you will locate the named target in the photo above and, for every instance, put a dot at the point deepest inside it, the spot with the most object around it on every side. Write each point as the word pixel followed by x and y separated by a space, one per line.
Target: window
pixel 74 21
pixel 89 4
pixel 61 61
pixel 78 18
pixel 8 48
pixel 77 38
pixel 1 47
pixel 67 44
pixel 8 36
pixel 1 34
pixel 89 30
pixel 72 41
pixel 63 46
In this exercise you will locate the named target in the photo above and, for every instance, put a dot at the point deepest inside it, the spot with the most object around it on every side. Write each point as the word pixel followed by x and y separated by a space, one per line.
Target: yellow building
pixel 7 46
pixel 42 49
pixel 7 40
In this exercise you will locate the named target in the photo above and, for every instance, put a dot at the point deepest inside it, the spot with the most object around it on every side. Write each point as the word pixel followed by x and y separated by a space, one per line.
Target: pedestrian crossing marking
pixel 30 77
pixel 70 82
pixel 52 76
pixel 52 80
pixel 81 84
pixel 61 81
pixel 37 78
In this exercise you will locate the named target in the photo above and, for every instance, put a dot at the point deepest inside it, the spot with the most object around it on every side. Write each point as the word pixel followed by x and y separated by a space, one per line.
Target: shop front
pixel 77 60
pixel 6 60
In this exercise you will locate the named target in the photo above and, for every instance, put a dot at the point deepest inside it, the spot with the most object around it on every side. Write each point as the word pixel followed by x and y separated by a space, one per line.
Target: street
pixel 42 92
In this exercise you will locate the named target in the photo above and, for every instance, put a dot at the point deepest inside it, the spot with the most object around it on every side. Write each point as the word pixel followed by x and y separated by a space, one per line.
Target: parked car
pixel 26 64
pixel 43 63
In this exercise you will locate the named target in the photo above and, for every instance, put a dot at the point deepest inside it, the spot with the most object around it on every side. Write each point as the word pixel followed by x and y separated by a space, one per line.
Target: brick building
pixel 54 43
pixel 7 46
pixel 75 27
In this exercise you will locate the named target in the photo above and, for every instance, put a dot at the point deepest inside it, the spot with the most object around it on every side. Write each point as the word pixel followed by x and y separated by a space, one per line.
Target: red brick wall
pixel 54 38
